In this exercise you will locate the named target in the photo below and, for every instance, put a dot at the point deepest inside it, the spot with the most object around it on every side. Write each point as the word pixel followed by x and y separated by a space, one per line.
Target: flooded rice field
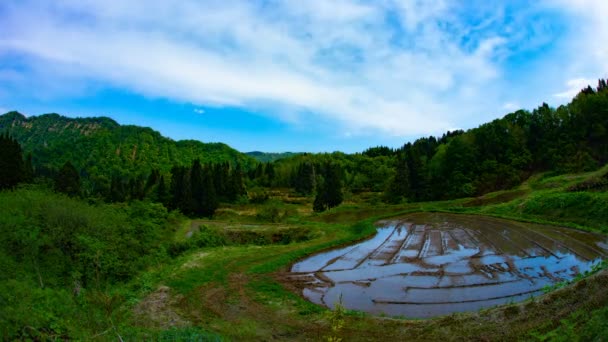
pixel 430 264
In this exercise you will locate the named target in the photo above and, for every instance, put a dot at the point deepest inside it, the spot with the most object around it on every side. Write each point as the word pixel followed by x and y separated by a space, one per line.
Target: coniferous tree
pixel 209 201
pixel 304 180
pixel 203 200
pixel 399 188
pixel 235 186
pixel 178 175
pixel 28 169
pixel 197 188
pixel 11 163
pixel 269 174
pixel 333 186
pixel 161 194
pixel 67 180
pixel 329 190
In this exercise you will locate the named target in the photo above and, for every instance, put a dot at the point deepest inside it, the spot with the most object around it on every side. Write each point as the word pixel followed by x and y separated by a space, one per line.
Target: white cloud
pixel 199 110
pixel 585 49
pixel 346 60
pixel 573 87
pixel 511 106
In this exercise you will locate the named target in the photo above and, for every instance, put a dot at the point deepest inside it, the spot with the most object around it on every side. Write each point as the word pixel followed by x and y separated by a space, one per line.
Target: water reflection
pixel 426 265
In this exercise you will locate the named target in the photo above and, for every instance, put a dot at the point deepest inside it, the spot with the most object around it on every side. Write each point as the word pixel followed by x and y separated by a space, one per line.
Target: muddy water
pixel 431 264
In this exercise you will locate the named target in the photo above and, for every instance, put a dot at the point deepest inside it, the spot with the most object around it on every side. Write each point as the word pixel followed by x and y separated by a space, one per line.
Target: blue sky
pixel 314 75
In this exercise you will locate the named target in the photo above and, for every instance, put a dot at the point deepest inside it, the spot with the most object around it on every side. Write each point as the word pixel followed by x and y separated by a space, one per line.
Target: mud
pixel 431 264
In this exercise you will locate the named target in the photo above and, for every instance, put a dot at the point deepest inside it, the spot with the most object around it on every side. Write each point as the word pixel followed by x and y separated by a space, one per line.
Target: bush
pixel 257 195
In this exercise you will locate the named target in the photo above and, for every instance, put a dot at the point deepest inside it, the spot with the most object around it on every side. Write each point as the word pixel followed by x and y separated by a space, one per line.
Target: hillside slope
pixel 100 147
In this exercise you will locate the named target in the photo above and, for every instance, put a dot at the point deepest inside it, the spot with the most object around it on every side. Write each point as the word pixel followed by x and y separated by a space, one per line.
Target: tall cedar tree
pixel 235 187
pixel 11 163
pixel 177 187
pixel 209 200
pixel 67 180
pixel 161 194
pixel 329 191
pixel 304 179
pixel 399 187
pixel 204 200
pixel 28 169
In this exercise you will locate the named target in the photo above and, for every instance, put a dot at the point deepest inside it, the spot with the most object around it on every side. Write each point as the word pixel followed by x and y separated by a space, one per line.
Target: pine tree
pixel 67 180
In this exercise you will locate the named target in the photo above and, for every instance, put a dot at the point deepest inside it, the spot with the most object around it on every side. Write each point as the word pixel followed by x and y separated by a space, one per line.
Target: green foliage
pixel 62 241
pixel 102 148
pixel 193 334
pixel 12 168
pixel 336 321
pixel 580 326
pixel 582 208
pixel 329 190
pixel 57 252
pixel 597 183
pixel 304 179
pixel 213 237
pixel 399 187
pixel 266 157
pixel 258 195
pixel 67 180
pixel 30 312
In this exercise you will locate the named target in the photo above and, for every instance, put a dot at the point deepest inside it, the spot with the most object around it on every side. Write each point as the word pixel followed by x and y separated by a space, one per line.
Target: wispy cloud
pixel 573 87
pixel 511 106
pixel 583 48
pixel 391 66
pixel 199 110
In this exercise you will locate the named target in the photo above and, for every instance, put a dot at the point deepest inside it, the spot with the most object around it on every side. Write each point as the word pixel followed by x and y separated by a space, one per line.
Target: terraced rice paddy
pixel 430 264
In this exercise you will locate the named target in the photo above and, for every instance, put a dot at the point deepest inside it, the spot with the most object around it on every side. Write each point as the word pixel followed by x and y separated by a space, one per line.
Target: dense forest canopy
pixel 102 149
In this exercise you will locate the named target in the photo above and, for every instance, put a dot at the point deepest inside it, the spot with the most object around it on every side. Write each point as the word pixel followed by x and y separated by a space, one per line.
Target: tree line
pixel 195 190
pixel 502 153
pixel 494 156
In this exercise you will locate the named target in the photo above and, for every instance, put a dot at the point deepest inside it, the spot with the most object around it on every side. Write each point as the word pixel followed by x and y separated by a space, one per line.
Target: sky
pixel 298 75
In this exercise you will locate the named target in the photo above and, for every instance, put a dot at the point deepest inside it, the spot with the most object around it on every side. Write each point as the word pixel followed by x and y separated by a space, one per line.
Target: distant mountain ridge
pixel 100 147
pixel 267 157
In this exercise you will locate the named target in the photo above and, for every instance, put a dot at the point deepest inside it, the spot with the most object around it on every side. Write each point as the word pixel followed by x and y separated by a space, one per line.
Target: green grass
pixel 227 283
pixel 237 292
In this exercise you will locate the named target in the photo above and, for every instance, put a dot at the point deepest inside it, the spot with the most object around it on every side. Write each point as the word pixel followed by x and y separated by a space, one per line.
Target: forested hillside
pixel 494 156
pixel 99 148
pixel 502 153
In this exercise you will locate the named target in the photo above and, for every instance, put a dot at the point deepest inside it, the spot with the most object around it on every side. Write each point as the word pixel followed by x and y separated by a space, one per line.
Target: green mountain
pixel 100 147
pixel 266 157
